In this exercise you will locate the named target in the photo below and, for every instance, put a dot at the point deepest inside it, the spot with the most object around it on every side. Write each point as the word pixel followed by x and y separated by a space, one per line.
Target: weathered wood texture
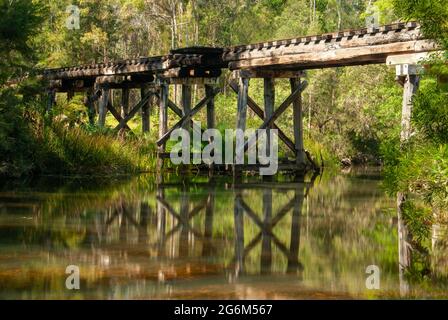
pixel 337 57
pixel 163 113
pixel 344 48
pixel 409 90
pixel 186 117
pixel 186 105
pixel 134 111
pixel 145 109
pixel 243 92
pixel 104 100
pixel 210 107
pixel 329 50
pixel 298 123
pixel 269 105
pixel 124 102
pixel 260 113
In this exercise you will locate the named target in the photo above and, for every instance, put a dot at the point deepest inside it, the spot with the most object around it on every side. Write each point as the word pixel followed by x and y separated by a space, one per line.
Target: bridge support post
pixel 210 115
pixel 210 107
pixel 269 105
pixel 103 103
pixel 145 110
pixel 51 100
pixel 70 95
pixel 243 93
pixel 186 104
pixel 407 75
pixel 163 120
pixel 269 115
pixel 124 102
pixel 298 124
pixel 89 103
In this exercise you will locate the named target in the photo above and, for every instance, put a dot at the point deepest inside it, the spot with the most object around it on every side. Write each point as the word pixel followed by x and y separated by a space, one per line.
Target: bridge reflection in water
pixel 176 224
pixel 204 238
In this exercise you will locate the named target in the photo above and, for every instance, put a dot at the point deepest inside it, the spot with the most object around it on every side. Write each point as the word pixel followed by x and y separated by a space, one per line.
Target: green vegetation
pixel 420 166
pixel 350 113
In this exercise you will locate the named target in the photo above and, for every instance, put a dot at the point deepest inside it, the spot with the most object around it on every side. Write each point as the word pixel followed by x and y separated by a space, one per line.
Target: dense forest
pixel 351 114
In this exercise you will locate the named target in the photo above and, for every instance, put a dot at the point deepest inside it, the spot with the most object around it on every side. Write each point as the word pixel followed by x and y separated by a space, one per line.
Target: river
pixel 202 238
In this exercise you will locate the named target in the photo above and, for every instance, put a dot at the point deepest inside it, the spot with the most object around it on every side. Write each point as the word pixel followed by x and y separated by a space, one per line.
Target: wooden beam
pixel 51 100
pixel 145 110
pixel 188 73
pixel 298 123
pixel 124 102
pixel 89 102
pixel 260 113
pixel 191 81
pixel 179 113
pixel 163 120
pixel 175 108
pixel 410 58
pixel 409 89
pixel 269 105
pixel 278 112
pixel 133 112
pixel 337 57
pixel 70 95
pixel 266 73
pixel 210 107
pixel 282 108
pixel 142 65
pixel 186 104
pixel 104 100
pixel 163 113
pixel 243 93
pixel 137 79
pixel 304 45
pixel 116 115
pixel 186 117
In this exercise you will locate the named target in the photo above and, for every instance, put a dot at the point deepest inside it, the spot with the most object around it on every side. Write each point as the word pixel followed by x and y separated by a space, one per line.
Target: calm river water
pixel 203 238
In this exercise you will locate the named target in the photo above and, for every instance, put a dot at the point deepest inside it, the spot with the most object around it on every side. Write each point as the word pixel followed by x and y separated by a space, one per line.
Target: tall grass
pixel 78 151
pixel 34 144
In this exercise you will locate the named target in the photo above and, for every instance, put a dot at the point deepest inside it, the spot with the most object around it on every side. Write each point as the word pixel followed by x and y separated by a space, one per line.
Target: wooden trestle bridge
pixel 399 44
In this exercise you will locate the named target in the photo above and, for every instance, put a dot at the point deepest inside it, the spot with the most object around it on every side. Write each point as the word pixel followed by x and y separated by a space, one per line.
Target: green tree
pixel 19 21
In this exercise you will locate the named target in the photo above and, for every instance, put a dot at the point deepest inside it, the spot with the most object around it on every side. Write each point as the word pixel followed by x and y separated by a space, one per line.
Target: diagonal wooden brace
pixel 260 113
pixel 116 115
pixel 134 111
pixel 188 116
pixel 179 218
pixel 178 112
pixel 277 113
pixel 267 229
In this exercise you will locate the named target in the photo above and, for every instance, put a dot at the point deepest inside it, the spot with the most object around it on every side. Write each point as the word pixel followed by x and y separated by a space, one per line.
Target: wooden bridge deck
pixel 344 48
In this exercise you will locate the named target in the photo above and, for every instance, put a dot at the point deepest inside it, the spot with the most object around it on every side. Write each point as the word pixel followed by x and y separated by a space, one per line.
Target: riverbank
pixel 32 144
